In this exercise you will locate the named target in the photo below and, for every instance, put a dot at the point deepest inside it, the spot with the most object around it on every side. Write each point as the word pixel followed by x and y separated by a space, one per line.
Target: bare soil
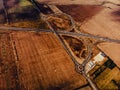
pixel 80 12
pixel 8 68
pixel 43 63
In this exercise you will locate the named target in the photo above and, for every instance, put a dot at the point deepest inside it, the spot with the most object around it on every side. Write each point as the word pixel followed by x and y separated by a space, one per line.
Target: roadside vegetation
pixel 38 24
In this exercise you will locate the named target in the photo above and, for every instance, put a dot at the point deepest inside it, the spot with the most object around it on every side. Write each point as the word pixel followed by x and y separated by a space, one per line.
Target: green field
pixel 105 79
pixel 24 3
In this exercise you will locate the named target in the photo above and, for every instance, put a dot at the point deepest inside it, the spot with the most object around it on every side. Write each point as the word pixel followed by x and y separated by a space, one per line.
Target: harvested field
pixel 80 13
pixel 68 2
pixel 112 50
pixel 8 68
pixel 43 63
pixel 102 22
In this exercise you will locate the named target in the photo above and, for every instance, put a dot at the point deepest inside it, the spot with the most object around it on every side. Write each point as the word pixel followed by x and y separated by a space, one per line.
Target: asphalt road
pixel 106 39
pixel 80 68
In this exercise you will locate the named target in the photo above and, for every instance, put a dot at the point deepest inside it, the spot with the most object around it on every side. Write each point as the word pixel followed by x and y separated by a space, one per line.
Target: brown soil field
pixel 80 13
pixel 68 2
pixel 100 22
pixel 106 24
pixel 112 50
pixel 77 2
pixel 8 68
pixel 42 63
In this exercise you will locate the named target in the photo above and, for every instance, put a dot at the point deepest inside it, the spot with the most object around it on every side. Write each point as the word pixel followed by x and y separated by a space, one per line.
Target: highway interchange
pixel 79 67
pixel 105 39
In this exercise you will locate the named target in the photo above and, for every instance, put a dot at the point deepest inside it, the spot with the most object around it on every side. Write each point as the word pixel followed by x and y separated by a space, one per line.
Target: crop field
pixel 51 60
pixel 35 61
pixel 24 2
pixel 108 79
pixel 80 13
pixel 8 68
